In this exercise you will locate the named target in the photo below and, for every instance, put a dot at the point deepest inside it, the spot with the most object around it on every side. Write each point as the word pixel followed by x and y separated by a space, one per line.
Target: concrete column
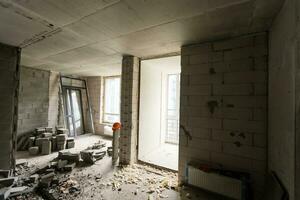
pixel 9 84
pixel 129 109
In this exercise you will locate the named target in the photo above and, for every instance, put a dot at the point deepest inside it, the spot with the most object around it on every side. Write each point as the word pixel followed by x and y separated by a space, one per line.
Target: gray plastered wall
pixel 9 83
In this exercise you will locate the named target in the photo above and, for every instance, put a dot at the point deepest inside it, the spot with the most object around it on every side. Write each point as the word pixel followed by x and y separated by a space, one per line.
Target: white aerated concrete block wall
pixel 232 75
pixel 129 109
pixel 33 99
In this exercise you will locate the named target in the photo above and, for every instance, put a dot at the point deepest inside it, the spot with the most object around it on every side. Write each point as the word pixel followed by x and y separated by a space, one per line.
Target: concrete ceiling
pixel 89 37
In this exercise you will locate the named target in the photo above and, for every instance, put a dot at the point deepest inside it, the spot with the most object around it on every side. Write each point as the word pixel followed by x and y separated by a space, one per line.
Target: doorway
pixel 73 111
pixel 159 112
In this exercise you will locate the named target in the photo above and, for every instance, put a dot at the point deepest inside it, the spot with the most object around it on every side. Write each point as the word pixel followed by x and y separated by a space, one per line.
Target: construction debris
pixel 45 141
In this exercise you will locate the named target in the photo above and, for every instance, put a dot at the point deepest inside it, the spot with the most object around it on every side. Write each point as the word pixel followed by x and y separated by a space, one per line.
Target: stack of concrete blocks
pixel 61 141
pixel 224 104
pixel 129 109
pixel 46 146
pixel 70 143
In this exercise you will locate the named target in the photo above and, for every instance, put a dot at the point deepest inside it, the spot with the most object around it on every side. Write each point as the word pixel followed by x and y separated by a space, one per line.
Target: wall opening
pixel 159 112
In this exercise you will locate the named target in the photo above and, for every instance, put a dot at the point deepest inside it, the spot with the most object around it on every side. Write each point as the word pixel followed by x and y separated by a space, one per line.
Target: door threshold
pixel 156 166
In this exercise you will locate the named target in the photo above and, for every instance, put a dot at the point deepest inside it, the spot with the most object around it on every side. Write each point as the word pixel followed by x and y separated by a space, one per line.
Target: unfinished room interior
pixel 150 99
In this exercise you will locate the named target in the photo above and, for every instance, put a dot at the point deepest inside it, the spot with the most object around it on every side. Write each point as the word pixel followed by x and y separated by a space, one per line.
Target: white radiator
pixel 213 182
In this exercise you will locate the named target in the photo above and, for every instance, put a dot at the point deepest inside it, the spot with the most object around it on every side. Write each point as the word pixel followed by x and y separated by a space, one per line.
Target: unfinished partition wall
pixel 55 117
pixel 129 109
pixel 9 84
pixel 284 98
pixel 223 106
pixel 33 102
pixel 94 86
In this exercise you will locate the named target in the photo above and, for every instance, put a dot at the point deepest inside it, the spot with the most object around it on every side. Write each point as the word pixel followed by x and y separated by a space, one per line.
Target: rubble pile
pixel 51 181
pixel 141 176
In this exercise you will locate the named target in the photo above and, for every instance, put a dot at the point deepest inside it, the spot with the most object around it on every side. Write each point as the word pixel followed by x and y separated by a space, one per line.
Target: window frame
pixel 178 77
pixel 102 112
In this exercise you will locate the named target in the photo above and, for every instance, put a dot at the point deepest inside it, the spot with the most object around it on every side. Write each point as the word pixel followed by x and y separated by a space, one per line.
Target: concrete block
pixel 199 58
pixel 54 143
pixel 61 137
pixel 244 125
pixel 198 122
pixel 251 152
pixel 46 135
pixel 245 77
pixel 233 43
pixel 49 129
pixel 46 147
pixel 233 89
pixel 196 90
pixel 4 173
pixel 201 79
pixel 245 101
pixel 34 178
pixel 232 136
pixel 71 157
pixel 196 49
pixel 61 146
pixel 4 193
pixel 70 144
pixel 8 182
pixel 33 150
pixel 87 156
pixel 69 167
pixel 46 179
pixel 61 164
pixel 31 142
pixel 237 113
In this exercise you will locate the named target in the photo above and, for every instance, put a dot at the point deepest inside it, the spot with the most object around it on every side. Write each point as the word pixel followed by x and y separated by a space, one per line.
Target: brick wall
pixel 129 109
pixel 9 79
pixel 231 76
pixel 33 99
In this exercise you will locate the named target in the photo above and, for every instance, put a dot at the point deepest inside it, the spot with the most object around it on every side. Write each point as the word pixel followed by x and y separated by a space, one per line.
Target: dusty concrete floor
pixel 104 181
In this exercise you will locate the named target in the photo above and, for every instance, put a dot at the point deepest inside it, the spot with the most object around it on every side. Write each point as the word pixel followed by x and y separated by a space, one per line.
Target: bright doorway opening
pixel 159 112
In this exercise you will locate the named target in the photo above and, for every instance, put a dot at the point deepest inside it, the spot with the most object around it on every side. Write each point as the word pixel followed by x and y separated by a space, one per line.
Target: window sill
pixel 106 124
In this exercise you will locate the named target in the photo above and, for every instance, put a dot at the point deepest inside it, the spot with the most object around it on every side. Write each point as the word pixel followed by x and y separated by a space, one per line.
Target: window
pixel 172 133
pixel 111 99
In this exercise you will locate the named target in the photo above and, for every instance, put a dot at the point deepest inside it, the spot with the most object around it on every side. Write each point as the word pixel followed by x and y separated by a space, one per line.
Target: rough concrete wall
pixel 129 109
pixel 54 118
pixel 33 100
pixel 94 87
pixel 9 82
pixel 282 70
pixel 232 75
